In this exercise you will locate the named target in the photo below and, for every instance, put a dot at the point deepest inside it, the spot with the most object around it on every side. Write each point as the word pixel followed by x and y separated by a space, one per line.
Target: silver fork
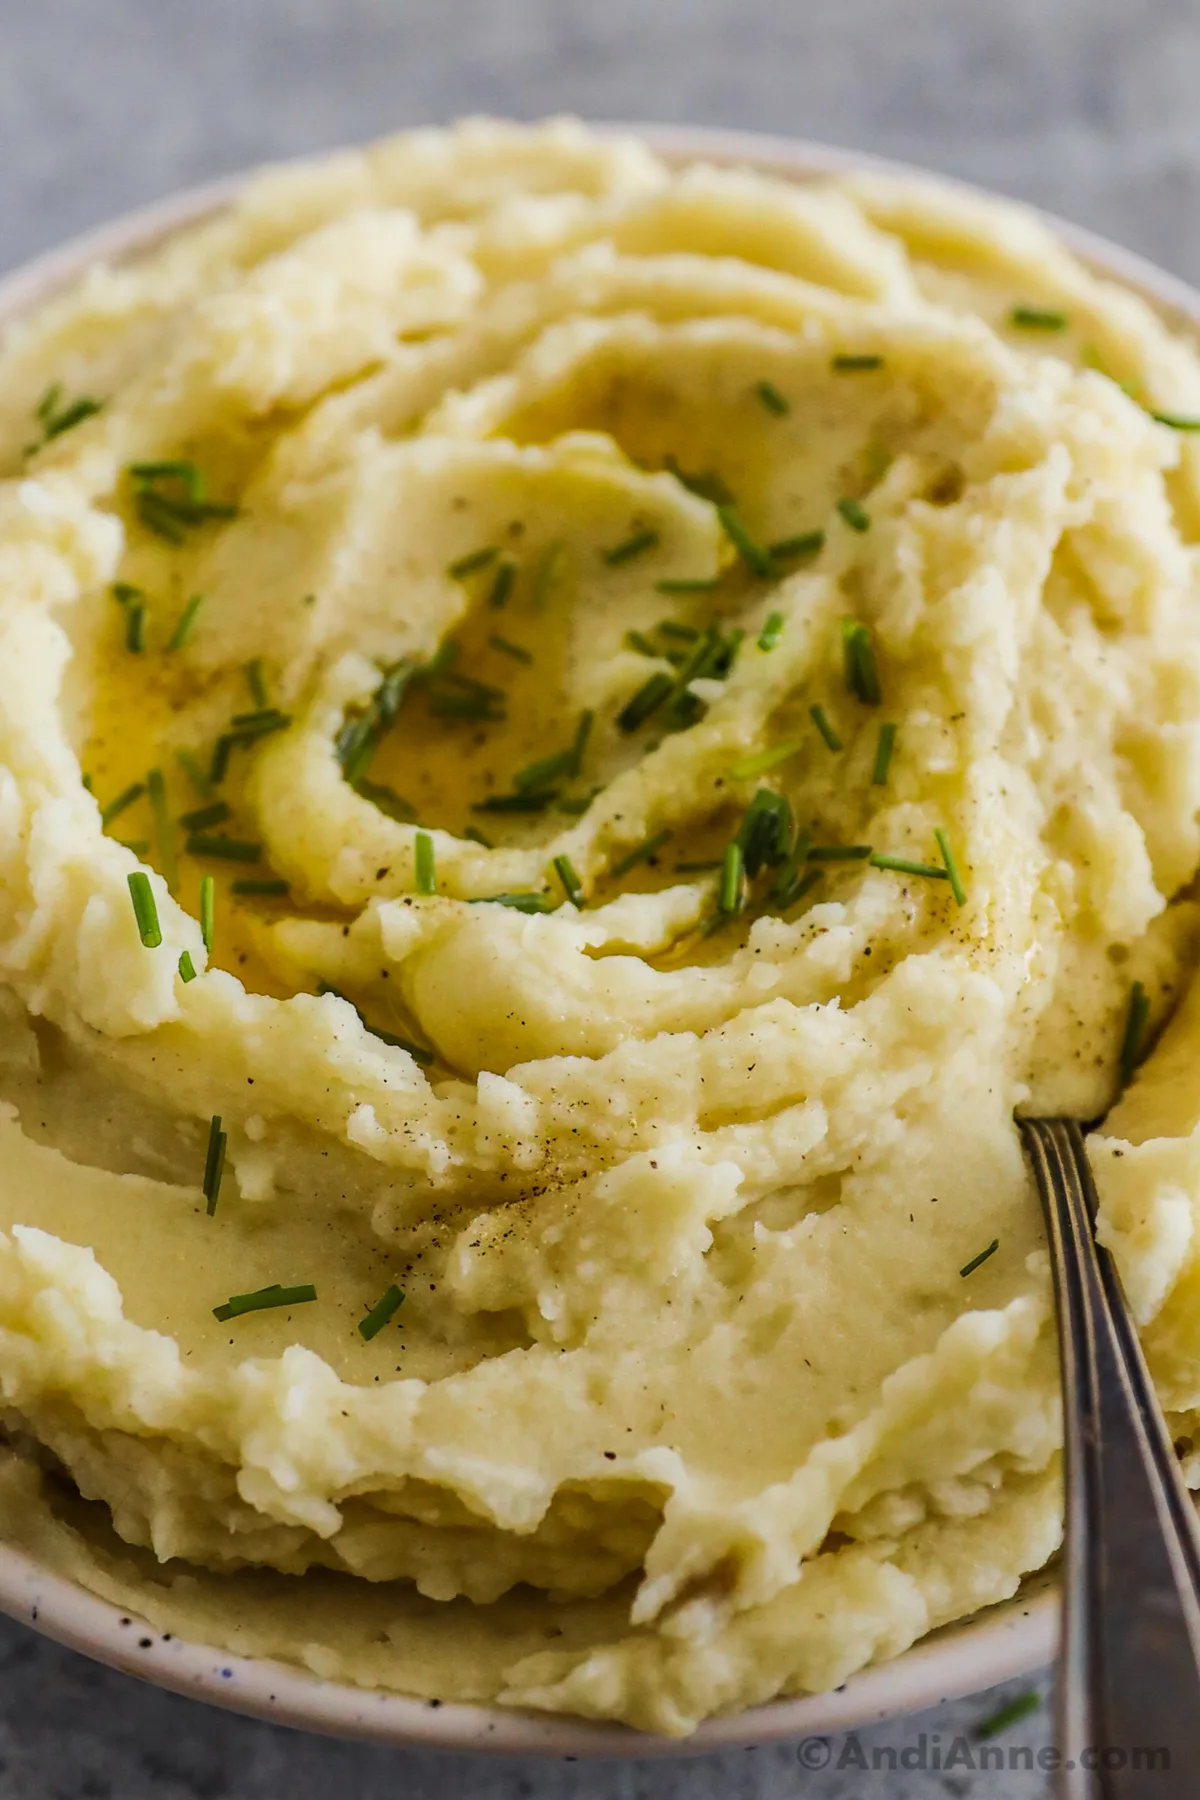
pixel 1129 1669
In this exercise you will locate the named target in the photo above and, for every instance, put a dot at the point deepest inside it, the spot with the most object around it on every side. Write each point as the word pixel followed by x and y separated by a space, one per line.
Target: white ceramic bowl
pixel 1005 1641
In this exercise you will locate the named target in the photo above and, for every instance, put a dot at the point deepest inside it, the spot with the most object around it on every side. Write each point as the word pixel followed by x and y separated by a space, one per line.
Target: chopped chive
pixel 796 890
pixel 1019 1707
pixel 771 632
pixel 855 514
pixel 540 775
pixel 144 909
pixel 1177 421
pixel 952 874
pixel 164 831
pixel 195 771
pixel 1038 318
pixel 839 853
pixel 382 1313
pixel 572 887
pixel 124 591
pixel 635 545
pixel 472 562
pixel 502 584
pixel 765 834
pixel 55 420
pixel 756 558
pixel 187 968
pixel 844 364
pixel 424 868
pixel 699 584
pixel 858 656
pixel 637 640
pixel 264 718
pixel 256 682
pixel 805 543
pixel 264 1299
pixel 730 893
pixel 977 1261
pixel 672 628
pixel 113 810
pixel 510 649
pixel 548 571
pixel 698 868
pixel 1135 1027
pixel 475 836
pixel 646 701
pixel 214 1164
pixel 525 903
pixel 207 895
pixel 793 878
pixel 641 853
pixel 186 623
pixel 474 706
pixel 203 816
pixel 583 732
pixel 820 719
pixel 135 627
pixel 772 399
pixel 577 804
pixel 764 760
pixel 883 755
pixel 516 803
pixel 269 886
pixel 389 802
pixel 901 866
pixel 226 848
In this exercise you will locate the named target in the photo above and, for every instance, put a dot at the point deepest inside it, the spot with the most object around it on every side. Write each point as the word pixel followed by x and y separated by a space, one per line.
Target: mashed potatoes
pixel 593 730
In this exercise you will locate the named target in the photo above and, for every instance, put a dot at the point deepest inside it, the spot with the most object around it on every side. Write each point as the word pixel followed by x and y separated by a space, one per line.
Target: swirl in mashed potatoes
pixel 647 709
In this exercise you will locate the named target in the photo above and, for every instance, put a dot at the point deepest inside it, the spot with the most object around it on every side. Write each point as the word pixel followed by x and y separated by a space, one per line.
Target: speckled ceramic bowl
pixel 1002 1642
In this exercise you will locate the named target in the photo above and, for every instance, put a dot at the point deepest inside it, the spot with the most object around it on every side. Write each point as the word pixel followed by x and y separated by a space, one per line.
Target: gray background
pixel 1087 106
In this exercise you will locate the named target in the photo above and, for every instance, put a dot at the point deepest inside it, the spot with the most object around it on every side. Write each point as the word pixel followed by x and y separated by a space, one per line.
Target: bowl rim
pixel 1013 1638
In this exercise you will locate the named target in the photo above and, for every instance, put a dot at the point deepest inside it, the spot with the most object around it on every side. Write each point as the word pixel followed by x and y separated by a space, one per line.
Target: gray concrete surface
pixel 1087 106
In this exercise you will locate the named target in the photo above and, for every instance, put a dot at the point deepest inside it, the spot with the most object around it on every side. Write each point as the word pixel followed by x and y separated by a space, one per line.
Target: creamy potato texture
pixel 656 706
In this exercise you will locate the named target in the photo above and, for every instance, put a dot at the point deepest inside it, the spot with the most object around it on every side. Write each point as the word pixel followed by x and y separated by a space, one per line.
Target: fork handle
pixel 1129 1671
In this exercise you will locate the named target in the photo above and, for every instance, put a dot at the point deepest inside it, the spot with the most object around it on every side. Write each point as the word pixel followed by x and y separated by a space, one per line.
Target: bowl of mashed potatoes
pixel 581 721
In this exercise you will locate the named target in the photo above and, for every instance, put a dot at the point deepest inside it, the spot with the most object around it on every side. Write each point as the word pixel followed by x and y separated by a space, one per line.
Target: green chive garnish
pixel 135 627
pixel 1019 1707
pixel 805 543
pixel 901 866
pixel 525 903
pixel 187 968
pixel 756 558
pixel 516 803
pixel 207 895
pixel 855 514
pixel 389 802
pixel 976 1261
pixel 671 628
pixel 1177 421
pixel 1038 318
pixel 269 886
pixel 264 1299
pixel 144 909
pixel 641 853
pixel 227 848
pixel 115 807
pixel 171 497
pixel 186 623
pixel 839 853
pixel 883 755
pixel 424 870
pixel 853 364
pixel 763 760
pixel 54 420
pixel 952 874
pixel 510 649
pixel 548 571
pixel 214 1164
pixel 632 546
pixel 637 640
pixel 502 585
pixel 381 1313
pixel 164 832
pixel 256 682
pixel 203 816
pixel 195 771
pixel 572 887
pixel 473 561
pixel 704 867
pixel 858 656
pixel 1135 1027
pixel 701 584
pixel 771 632
pixel 730 892
pixel 820 719
pixel 646 701
pixel 772 399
